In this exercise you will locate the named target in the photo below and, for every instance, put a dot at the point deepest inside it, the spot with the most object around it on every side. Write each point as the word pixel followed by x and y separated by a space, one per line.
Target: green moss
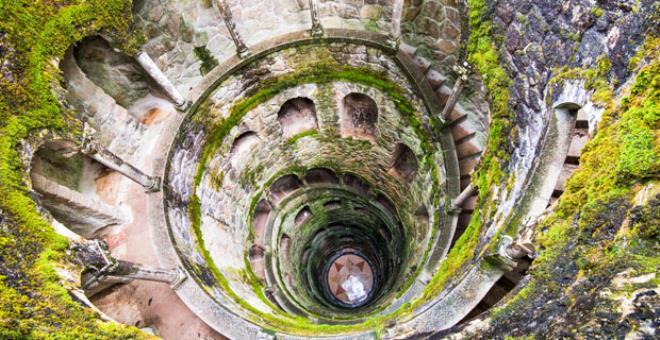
pixel 371 25
pixel 309 133
pixel 649 48
pixel 596 79
pixel 37 33
pixel 640 149
pixel 614 166
pixel 208 61
pixel 484 56
pixel 217 179
pixel 597 11
pixel 575 36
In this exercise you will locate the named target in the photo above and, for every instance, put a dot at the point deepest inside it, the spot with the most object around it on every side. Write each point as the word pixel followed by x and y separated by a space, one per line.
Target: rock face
pixel 570 293
pixel 541 37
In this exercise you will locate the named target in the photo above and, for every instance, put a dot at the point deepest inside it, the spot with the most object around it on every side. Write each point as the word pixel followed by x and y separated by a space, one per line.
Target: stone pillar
pixel 104 156
pixel 159 77
pixel 139 272
pixel 462 72
pixel 102 270
pixel 468 192
pixel 517 250
pixel 317 28
pixel 508 253
pixel 395 31
pixel 228 18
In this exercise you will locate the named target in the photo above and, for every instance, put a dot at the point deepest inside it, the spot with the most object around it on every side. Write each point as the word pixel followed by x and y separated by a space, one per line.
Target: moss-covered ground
pixel 33 36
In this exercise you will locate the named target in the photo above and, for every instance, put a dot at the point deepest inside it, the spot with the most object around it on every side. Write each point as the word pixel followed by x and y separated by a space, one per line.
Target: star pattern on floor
pixel 350 278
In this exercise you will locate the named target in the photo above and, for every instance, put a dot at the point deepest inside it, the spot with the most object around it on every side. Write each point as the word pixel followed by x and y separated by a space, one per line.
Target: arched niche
pixel 256 255
pixel 423 221
pixel 303 215
pixel 242 148
pixel 118 74
pixel 285 244
pixel 359 117
pixel 561 147
pixel 404 163
pixel 284 186
pixel 75 189
pixel 261 214
pixel 356 183
pixel 297 115
pixel 386 203
pixel 321 175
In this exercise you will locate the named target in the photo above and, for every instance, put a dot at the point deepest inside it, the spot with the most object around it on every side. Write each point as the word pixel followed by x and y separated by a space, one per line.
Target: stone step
pixel 459 132
pixel 435 79
pixel 465 181
pixel 578 141
pixel 566 172
pixel 467 165
pixel 465 139
pixel 582 119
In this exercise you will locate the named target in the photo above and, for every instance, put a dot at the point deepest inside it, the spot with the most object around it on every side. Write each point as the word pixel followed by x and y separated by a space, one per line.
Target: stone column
pixel 104 156
pixel 228 18
pixel 463 72
pixel 135 271
pixel 317 28
pixel 508 253
pixel 102 270
pixel 161 79
pixel 468 192
pixel 395 31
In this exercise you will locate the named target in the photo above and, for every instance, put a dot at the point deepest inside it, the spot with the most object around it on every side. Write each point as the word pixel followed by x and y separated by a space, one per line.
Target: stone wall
pixel 576 290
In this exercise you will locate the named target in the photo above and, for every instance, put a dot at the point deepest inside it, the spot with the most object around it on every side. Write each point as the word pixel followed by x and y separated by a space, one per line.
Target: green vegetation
pixel 206 58
pixel 485 58
pixel 293 140
pixel 596 79
pixel 597 11
pixel 615 165
pixel 35 34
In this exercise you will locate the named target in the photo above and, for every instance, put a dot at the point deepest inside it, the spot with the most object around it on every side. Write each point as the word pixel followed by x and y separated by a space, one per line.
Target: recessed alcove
pixel 297 115
pixel 240 149
pixel 404 163
pixel 359 117
pixel 75 189
pixel 283 186
pixel 321 175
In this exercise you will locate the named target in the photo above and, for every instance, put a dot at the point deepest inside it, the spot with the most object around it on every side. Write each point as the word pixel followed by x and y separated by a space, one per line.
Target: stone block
pixel 566 172
pixel 459 132
pixel 435 78
pixel 466 149
pixel 578 141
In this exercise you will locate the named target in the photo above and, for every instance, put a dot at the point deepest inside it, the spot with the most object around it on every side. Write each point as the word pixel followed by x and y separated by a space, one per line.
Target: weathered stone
pixel 370 12
pixel 447 46
pixel 450 31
